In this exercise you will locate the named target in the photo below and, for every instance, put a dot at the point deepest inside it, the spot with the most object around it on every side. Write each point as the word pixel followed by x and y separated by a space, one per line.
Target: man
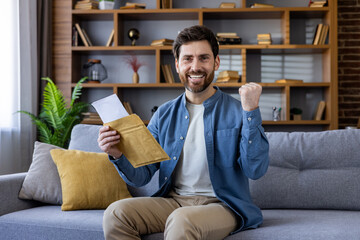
pixel 215 144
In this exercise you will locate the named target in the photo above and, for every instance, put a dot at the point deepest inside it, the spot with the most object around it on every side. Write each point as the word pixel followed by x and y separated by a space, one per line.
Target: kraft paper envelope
pixel 136 142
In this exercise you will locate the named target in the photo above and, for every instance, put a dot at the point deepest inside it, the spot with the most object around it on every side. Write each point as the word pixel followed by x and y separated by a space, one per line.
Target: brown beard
pixel 198 88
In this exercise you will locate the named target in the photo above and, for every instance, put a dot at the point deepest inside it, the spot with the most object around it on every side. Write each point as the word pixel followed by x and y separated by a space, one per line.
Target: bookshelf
pixel 291 54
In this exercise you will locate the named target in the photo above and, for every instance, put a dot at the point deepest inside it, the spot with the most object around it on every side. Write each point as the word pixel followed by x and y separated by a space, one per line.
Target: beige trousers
pixel 179 217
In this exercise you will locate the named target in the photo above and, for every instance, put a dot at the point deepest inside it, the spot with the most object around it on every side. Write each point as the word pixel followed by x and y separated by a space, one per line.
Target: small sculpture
pixel 276 114
pixel 133 34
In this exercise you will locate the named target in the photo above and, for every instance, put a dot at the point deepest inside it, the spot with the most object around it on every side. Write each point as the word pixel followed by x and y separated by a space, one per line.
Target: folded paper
pixel 110 108
pixel 136 142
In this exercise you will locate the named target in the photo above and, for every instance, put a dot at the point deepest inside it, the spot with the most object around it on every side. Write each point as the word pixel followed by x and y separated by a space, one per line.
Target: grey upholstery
pixel 312 178
pixel 313 170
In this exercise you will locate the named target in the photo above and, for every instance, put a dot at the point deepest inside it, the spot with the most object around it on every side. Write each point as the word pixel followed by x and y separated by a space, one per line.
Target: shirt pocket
pixel 227 147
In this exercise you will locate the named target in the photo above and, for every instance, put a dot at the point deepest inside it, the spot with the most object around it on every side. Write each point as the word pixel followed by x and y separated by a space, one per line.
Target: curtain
pixel 19 90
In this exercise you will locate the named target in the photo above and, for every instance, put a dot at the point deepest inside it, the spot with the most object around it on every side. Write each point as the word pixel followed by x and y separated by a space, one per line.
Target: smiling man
pixel 216 143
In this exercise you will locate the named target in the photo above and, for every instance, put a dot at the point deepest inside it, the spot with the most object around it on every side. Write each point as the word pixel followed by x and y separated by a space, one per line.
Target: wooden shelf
pixel 68 60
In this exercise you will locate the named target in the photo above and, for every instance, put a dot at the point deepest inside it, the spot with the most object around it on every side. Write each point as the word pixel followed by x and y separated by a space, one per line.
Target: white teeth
pixel 196 76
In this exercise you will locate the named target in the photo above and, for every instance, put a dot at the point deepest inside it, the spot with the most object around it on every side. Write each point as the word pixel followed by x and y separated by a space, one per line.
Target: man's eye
pixel 204 58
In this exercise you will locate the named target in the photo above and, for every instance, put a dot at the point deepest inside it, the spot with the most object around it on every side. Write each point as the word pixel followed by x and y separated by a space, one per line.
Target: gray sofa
pixel 311 191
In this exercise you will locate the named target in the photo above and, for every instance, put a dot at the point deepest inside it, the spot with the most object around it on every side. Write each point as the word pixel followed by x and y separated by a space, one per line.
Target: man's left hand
pixel 250 96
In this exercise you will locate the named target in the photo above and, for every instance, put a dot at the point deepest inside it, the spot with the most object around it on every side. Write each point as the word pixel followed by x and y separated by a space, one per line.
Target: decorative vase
pixel 135 77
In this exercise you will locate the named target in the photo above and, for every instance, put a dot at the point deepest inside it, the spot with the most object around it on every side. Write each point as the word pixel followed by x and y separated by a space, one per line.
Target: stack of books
pixel 261 5
pixel 228 38
pixel 162 42
pixel 321 33
pixel 134 6
pixel 285 80
pixel 78 31
pixel 264 38
pixel 317 3
pixel 91 118
pixel 228 76
pixel 227 5
pixel 87 4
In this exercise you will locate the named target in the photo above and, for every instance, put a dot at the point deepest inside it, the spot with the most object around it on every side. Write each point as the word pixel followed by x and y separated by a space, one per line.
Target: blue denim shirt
pixel 236 147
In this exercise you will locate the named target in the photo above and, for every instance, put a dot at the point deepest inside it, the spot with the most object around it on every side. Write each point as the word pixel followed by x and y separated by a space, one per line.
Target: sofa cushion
pixel 42 182
pixel 304 224
pixel 88 142
pixel 313 170
pixel 88 180
pixel 49 222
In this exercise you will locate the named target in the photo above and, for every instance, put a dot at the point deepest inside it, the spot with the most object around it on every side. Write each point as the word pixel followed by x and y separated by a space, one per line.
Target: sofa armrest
pixel 10 186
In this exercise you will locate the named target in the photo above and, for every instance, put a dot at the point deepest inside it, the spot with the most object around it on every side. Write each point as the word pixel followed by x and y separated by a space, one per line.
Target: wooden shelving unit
pixel 67 59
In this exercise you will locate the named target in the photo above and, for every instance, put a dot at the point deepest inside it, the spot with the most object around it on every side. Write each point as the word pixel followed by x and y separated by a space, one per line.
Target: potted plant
pixel 56 120
pixel 295 113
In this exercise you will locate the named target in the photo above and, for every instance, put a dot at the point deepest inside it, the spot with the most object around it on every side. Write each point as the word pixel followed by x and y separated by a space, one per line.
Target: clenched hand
pixel 250 96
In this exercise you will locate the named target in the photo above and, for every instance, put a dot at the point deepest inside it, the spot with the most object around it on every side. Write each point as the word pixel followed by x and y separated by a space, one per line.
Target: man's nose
pixel 196 65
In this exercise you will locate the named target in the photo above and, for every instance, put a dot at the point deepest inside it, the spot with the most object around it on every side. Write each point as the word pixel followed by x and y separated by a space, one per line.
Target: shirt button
pixel 181 138
pixel 165 178
pixel 186 117
pixel 249 119
pixel 174 158
pixel 250 142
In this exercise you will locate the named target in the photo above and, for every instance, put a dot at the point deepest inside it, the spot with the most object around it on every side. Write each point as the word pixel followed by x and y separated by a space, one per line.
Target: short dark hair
pixel 195 33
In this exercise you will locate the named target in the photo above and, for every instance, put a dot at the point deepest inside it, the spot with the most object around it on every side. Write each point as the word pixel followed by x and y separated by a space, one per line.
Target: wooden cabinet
pixel 291 55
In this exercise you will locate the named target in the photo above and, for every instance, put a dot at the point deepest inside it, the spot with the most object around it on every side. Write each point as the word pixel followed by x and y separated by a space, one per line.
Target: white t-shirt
pixel 192 171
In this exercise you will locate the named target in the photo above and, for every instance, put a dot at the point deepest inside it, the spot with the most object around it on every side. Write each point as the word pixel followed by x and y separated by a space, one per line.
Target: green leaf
pixel 55 120
pixel 54 104
pixel 77 91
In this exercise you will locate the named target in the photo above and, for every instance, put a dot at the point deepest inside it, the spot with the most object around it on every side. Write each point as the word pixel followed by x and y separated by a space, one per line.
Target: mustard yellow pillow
pixel 88 180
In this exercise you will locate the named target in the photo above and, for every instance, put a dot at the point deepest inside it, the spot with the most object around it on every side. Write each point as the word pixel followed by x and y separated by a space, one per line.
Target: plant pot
pixel 135 77
pixel 297 117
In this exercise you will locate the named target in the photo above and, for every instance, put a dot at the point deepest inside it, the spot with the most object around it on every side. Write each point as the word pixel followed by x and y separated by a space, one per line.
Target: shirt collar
pixel 208 102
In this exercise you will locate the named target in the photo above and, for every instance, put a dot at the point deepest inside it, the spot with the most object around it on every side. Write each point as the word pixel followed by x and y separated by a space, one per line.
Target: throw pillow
pixel 42 182
pixel 88 180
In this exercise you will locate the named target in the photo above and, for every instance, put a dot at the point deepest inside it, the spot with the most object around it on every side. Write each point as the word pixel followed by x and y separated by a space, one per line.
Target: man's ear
pixel 217 62
pixel 177 65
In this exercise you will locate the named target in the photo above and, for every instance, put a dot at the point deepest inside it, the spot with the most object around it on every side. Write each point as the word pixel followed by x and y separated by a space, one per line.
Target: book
pixel 317 34
pixel 225 38
pixel 128 108
pixel 264 36
pixel 111 39
pixel 87 4
pixel 229 41
pixel 320 3
pixel 91 118
pixel 289 81
pixel 134 6
pixel 226 34
pixel 87 37
pixel 227 5
pixel 261 5
pixel 228 76
pixel 82 36
pixel 162 42
pixel 319 111
pixel 324 34
pixel 264 42
pixel 168 75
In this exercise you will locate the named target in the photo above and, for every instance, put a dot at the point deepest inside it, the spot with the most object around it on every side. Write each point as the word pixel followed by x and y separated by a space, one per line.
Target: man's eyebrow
pixel 201 55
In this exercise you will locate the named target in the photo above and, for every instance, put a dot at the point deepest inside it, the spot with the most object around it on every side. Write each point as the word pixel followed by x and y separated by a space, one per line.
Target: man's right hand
pixel 107 141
